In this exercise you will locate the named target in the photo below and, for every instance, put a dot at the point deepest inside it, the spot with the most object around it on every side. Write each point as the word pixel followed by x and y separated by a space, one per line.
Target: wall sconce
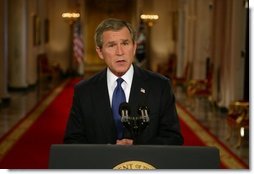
pixel 149 19
pixel 70 17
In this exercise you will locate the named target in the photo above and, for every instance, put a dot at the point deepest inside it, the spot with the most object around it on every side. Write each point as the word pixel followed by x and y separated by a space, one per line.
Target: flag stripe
pixel 78 44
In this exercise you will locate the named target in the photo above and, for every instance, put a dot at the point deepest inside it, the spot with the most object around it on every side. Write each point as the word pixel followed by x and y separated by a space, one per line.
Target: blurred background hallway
pixel 201 45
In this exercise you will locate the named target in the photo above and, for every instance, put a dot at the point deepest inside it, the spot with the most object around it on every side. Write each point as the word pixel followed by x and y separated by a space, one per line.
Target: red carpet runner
pixel 31 150
pixel 27 145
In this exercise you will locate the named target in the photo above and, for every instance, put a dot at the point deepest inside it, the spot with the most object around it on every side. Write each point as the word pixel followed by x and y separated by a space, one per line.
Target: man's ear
pixel 98 50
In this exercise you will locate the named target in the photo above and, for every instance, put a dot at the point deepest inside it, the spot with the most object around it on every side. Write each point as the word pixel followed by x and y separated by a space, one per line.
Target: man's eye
pixel 111 45
pixel 125 43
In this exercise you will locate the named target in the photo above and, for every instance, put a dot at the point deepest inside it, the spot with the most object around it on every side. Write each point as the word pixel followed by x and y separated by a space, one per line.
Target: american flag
pixel 78 44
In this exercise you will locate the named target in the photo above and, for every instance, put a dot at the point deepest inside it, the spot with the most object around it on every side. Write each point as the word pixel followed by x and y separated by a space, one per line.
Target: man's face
pixel 117 51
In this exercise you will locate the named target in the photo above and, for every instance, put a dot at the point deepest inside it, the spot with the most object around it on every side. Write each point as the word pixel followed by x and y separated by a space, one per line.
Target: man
pixel 92 119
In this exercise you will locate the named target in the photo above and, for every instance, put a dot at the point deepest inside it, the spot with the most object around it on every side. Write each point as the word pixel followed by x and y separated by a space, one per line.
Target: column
pixel 17 43
pixel 4 50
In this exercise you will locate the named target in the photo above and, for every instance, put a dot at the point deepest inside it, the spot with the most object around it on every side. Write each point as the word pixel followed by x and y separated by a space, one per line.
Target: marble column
pixel 190 24
pixel 180 40
pixel 17 43
pixel 4 50
pixel 232 73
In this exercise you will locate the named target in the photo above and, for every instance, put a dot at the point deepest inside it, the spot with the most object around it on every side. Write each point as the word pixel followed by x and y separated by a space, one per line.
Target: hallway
pixel 213 120
pixel 191 40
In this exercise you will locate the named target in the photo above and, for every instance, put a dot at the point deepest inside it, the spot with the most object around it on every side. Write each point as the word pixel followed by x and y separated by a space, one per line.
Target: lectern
pixel 77 156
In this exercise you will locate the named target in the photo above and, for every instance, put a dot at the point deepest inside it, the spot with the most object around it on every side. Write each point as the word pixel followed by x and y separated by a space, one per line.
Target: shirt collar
pixel 127 77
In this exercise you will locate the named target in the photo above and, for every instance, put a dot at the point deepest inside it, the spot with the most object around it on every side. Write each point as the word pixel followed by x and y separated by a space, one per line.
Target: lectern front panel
pixel 74 156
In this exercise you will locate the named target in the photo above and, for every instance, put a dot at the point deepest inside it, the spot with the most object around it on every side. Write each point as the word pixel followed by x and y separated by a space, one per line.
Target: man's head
pixel 112 24
pixel 116 44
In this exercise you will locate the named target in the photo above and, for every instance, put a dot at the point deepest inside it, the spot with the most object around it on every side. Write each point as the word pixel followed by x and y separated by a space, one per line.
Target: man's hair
pixel 112 24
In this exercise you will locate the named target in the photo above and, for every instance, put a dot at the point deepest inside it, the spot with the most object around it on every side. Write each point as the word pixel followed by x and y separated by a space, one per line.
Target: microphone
pixel 135 124
pixel 124 111
pixel 143 112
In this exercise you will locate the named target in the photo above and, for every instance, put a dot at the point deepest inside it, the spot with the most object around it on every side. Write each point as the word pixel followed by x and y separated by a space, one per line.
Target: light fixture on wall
pixel 70 17
pixel 149 19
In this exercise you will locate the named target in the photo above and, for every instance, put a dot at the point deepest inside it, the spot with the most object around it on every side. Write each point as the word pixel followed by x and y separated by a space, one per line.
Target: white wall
pixel 162 32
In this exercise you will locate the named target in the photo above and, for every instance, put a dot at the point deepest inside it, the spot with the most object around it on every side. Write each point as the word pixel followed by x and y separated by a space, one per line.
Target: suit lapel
pixel 101 100
pixel 139 90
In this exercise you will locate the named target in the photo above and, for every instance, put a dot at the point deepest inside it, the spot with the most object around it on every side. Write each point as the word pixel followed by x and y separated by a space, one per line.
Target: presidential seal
pixel 134 165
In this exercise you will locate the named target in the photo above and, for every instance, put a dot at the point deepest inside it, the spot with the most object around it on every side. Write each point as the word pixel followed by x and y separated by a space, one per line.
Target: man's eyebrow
pixel 113 42
pixel 110 42
pixel 125 40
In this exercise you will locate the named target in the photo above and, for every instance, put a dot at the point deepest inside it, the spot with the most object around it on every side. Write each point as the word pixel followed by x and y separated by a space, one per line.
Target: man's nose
pixel 119 50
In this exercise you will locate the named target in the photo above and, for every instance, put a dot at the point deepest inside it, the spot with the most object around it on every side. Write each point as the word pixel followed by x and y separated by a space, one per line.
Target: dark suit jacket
pixel 91 120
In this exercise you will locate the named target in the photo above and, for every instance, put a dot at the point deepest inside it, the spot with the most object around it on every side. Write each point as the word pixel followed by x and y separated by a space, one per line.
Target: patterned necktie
pixel 118 98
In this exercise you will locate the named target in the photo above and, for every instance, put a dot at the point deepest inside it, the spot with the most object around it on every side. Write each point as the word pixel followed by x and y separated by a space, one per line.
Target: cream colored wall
pixel 162 44
pixel 59 47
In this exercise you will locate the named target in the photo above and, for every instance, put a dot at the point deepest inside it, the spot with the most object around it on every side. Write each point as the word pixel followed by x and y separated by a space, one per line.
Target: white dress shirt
pixel 126 85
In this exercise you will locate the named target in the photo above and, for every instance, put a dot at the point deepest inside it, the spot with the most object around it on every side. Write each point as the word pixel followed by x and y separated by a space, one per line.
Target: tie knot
pixel 119 81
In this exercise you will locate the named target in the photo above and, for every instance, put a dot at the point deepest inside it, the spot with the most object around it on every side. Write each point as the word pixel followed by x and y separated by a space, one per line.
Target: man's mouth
pixel 120 61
